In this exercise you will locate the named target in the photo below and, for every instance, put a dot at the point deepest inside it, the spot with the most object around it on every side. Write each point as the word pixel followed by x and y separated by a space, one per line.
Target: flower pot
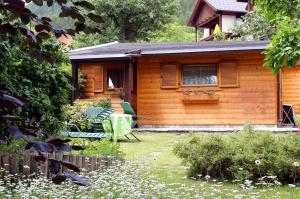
pixel 200 99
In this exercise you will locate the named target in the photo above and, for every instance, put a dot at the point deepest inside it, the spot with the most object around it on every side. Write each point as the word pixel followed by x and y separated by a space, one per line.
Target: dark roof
pixel 117 50
pixel 228 5
pixel 218 6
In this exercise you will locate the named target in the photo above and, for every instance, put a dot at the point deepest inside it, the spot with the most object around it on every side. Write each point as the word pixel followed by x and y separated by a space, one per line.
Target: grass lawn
pixel 155 150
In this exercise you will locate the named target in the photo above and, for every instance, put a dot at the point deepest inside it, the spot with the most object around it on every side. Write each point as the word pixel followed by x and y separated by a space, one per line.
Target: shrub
pixel 45 85
pixel 104 103
pixel 243 155
pixel 76 113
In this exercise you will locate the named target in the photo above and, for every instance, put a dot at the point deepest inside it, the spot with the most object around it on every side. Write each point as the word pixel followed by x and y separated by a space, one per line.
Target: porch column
pixel 127 82
pixel 75 84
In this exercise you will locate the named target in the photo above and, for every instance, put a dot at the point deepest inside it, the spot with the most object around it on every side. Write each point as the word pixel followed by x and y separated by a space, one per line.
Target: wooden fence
pixel 28 166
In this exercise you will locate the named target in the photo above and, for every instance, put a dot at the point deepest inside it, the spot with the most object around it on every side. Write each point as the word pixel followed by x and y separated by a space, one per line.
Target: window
pixel 115 78
pixel 204 74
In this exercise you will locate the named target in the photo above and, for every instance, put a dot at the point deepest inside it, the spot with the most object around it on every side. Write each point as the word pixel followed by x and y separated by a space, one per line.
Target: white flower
pixel 207 177
pixel 292 185
pixel 296 164
pixel 257 162
pixel 277 182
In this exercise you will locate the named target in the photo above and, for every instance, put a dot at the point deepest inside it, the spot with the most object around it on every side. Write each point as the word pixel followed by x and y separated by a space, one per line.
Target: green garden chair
pixel 88 135
pixel 96 116
pixel 127 109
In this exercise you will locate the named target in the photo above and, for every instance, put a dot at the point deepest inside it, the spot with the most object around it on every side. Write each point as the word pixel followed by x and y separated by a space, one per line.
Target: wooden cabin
pixel 205 83
pixel 224 13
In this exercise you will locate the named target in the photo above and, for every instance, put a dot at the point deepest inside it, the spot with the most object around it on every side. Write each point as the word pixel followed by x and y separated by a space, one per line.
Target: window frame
pixel 199 64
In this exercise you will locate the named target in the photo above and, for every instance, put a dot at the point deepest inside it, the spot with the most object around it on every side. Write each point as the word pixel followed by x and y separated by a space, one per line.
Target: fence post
pixel 33 165
pixel 5 161
pixel 26 164
pixel 14 164
pixel 65 158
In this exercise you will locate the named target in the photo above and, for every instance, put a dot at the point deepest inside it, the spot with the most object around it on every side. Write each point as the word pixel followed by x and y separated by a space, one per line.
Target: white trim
pixel 92 47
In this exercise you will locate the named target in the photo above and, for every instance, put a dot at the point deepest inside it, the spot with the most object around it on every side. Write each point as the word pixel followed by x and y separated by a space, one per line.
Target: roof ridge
pixel 93 47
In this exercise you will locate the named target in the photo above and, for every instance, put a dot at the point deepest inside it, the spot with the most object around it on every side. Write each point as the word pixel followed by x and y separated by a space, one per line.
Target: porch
pixel 116 80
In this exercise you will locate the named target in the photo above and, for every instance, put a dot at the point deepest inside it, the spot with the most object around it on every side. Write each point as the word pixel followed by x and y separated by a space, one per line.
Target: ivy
pixel 45 85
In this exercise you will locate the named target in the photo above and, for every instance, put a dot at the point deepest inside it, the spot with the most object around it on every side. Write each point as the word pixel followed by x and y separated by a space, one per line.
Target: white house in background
pixel 225 13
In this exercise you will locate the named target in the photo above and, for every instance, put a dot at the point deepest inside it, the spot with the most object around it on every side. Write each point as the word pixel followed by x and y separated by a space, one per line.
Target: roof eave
pixel 83 59
pixel 226 49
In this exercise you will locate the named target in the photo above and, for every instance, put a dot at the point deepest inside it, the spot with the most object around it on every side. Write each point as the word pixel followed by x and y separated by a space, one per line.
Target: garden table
pixel 118 125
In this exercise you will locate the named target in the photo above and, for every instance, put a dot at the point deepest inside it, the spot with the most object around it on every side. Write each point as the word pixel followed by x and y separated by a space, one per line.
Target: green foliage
pixel 220 36
pixel 52 12
pixel 298 120
pixel 279 8
pixel 129 20
pixel 76 113
pixel 14 146
pixel 185 11
pixel 173 33
pixel 255 26
pixel 103 148
pixel 243 155
pixel 45 85
pixel 285 48
pixel 135 20
pixel 104 103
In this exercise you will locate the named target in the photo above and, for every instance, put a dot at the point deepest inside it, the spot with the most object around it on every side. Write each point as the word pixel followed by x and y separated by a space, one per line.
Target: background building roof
pixel 228 5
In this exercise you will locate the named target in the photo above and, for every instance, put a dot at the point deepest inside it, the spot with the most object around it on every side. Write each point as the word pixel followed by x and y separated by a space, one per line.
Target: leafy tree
pixel 284 49
pixel 16 18
pixel 131 20
pixel 173 33
pixel 185 11
pixel 255 26
pixel 53 13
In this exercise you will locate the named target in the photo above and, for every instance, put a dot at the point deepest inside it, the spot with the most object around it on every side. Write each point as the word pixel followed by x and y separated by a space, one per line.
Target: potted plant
pixel 199 96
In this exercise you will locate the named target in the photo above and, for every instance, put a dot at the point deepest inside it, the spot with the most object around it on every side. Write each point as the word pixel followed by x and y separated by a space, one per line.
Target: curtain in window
pixel 116 77
pixel 200 75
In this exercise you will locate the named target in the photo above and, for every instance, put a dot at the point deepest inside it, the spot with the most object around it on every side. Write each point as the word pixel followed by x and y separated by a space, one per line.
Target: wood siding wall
pixel 255 99
pixel 291 87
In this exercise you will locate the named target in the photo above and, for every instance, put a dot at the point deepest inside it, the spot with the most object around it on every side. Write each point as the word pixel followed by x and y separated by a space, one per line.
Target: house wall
pixel 228 22
pixel 206 32
pixel 291 87
pixel 255 99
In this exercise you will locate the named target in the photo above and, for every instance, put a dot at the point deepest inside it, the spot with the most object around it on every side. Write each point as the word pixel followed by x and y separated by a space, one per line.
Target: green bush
pixel 45 85
pixel 243 155
pixel 76 113
pixel 104 103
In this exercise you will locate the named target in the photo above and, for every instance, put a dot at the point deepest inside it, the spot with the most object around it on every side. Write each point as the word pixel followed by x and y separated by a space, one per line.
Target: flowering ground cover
pixel 151 170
